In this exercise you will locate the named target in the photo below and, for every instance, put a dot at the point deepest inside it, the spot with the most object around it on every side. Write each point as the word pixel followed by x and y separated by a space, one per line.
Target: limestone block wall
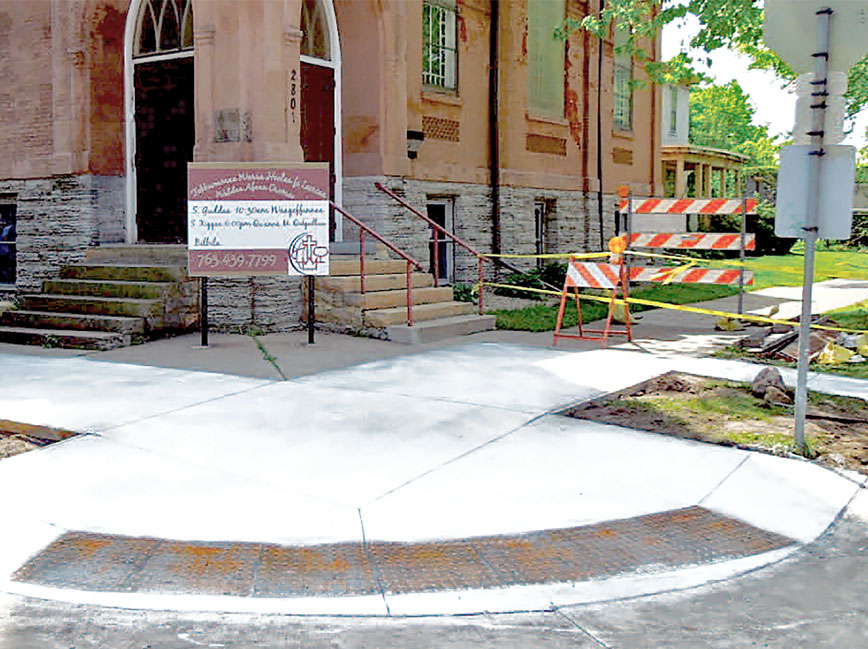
pixel 265 303
pixel 573 225
pixel 58 218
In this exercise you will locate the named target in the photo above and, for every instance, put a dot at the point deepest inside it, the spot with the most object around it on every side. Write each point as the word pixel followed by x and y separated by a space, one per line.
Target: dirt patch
pixel 725 412
pixel 17 438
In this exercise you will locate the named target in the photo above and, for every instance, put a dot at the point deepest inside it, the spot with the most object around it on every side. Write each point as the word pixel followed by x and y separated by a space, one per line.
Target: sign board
pixel 790 29
pixel 247 219
pixel 837 176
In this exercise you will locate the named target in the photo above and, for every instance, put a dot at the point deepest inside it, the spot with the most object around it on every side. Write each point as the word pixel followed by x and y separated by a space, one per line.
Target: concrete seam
pixel 413 396
pixel 267 355
pixel 724 479
pixel 458 457
pixel 373 564
pixel 184 407
pixel 590 635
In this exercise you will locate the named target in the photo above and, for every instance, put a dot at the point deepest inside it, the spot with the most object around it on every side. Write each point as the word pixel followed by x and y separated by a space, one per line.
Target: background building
pixel 103 102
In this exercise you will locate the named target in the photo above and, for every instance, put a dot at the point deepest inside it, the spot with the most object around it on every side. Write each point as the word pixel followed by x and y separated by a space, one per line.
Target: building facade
pixel 472 110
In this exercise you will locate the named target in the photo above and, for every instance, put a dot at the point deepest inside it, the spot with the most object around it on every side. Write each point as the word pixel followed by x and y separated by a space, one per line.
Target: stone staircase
pixel 119 295
pixel 382 309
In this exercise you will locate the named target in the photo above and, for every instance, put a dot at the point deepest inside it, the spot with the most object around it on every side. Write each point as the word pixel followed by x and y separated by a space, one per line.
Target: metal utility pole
pixel 819 93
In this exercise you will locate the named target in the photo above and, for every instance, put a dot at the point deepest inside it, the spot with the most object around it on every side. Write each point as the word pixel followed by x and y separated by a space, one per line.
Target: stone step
pixel 382 318
pixel 98 340
pixel 141 253
pixel 108 288
pixel 151 310
pixel 389 299
pixel 81 321
pixel 126 272
pixel 440 329
pixel 353 284
pixel 342 266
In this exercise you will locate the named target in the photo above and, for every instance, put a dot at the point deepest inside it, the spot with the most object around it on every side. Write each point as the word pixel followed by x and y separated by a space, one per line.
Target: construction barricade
pixel 616 275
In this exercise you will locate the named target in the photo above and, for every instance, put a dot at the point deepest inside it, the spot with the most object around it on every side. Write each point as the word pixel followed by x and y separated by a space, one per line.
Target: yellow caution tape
pixel 689 261
pixel 670 273
pixel 674 307
pixel 554 255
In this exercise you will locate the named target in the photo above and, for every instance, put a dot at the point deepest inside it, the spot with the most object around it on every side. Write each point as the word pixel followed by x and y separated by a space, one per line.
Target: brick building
pixel 103 102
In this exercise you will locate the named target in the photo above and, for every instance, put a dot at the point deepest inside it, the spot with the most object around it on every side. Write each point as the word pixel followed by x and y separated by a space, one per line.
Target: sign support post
pixel 203 310
pixel 811 228
pixel 311 308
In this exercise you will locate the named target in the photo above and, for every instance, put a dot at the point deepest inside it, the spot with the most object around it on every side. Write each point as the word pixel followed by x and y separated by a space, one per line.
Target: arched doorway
pixel 321 94
pixel 160 118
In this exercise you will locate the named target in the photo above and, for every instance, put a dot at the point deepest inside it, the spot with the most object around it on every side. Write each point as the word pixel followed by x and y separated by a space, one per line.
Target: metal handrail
pixel 479 256
pixel 436 240
pixel 363 229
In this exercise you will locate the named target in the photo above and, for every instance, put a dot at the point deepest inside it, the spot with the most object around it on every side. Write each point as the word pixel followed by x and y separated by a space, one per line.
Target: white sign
pixel 259 236
pixel 837 175
pixel 790 29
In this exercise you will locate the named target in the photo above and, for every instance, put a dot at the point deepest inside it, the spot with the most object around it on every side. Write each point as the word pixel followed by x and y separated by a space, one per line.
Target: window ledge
pixel 543 119
pixel 623 133
pixel 448 97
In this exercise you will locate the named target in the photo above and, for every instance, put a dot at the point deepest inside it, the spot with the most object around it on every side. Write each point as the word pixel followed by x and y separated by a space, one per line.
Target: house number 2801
pixel 293 93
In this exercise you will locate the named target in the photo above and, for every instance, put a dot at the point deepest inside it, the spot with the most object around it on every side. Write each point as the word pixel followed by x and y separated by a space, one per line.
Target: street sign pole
pixel 818 118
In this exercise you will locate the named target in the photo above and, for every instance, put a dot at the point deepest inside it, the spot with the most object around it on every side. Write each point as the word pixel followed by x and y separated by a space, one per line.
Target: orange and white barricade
pixel 616 276
pixel 600 275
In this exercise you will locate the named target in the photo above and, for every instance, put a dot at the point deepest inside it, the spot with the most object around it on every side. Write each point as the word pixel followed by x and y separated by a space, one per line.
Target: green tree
pixel 734 24
pixel 721 116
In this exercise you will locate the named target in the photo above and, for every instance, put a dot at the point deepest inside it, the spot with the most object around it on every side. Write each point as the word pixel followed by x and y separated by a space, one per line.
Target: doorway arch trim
pixel 133 16
pixel 335 63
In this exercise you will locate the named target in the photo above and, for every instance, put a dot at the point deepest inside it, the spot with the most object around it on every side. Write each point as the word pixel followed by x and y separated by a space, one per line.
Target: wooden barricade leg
pixel 625 293
pixel 609 316
pixel 579 322
pixel 560 319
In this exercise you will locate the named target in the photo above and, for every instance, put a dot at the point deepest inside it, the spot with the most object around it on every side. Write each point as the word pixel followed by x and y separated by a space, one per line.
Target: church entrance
pixel 320 96
pixel 164 146
pixel 164 133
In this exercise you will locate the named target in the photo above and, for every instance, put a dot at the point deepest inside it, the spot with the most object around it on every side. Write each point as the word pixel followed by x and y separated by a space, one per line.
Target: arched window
pixel 164 26
pixel 315 42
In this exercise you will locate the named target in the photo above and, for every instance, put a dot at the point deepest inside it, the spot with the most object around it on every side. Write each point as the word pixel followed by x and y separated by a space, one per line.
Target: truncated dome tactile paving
pixel 655 542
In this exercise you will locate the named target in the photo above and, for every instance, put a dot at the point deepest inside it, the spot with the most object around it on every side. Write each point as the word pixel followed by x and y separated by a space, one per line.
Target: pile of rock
pixel 769 386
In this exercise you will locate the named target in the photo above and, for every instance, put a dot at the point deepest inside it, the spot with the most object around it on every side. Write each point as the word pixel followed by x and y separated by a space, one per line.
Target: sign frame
pixel 258 219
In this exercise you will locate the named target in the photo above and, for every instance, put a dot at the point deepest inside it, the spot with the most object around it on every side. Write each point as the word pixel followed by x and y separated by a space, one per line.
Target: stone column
pixel 680 179
pixel 247 67
pixel 700 180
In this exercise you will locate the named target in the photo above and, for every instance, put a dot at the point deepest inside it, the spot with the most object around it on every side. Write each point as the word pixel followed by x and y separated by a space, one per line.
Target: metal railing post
pixel 481 286
pixel 409 295
pixel 362 260
pixel 436 262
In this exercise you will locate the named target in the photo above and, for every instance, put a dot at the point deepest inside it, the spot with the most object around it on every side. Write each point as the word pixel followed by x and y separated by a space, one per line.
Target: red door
pixel 318 121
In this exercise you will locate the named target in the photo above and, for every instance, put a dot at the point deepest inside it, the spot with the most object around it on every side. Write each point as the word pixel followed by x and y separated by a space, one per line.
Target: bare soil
pixel 17 438
pixel 725 412
pixel 14 444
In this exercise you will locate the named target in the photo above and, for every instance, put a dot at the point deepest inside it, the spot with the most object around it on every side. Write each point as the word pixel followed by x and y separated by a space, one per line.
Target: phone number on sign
pixel 234 261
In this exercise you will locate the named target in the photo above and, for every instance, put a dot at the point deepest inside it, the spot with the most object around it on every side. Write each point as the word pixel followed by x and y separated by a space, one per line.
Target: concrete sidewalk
pixel 439 446
pixel 424 452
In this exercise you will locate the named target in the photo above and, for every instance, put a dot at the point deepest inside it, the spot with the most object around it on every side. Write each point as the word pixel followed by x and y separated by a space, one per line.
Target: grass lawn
pixel 542 317
pixel 779 270
pixel 787 270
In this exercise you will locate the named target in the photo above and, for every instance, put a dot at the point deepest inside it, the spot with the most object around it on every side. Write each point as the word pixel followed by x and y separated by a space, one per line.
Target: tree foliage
pixel 721 116
pixel 734 24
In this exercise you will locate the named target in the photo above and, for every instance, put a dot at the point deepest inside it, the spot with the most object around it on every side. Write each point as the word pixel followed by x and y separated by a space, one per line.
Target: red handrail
pixel 363 229
pixel 439 228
